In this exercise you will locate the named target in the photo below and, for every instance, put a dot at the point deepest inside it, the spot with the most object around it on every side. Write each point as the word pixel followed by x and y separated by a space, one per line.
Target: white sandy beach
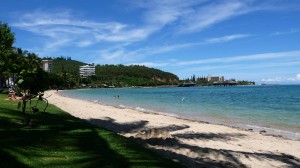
pixel 193 143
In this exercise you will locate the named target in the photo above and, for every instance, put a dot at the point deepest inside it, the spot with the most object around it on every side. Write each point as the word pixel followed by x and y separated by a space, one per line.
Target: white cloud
pixel 64 26
pixel 283 79
pixel 132 35
pixel 276 79
pixel 112 54
pixel 211 14
pixel 150 64
pixel 63 18
pixel 292 31
pixel 55 44
pixel 84 43
pixel 241 67
pixel 134 55
pixel 232 66
pixel 120 54
pixel 163 12
pixel 263 56
pixel 296 78
pixel 193 16
pixel 227 38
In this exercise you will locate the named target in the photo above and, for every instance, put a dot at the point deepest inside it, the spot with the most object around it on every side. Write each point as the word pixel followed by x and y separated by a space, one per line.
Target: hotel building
pixel 47 65
pixel 86 70
pixel 215 78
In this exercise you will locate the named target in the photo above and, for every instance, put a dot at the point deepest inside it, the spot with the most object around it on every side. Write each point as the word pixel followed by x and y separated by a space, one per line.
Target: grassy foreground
pixel 61 140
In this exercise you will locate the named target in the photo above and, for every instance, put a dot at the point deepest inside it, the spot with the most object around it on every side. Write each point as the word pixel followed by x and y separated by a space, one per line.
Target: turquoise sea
pixel 275 109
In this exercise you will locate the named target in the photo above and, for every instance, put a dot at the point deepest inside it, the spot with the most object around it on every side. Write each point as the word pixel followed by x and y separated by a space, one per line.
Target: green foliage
pixel 61 65
pixel 134 75
pixel 60 140
pixel 6 51
pixel 32 78
pixel 65 72
pixel 6 36
pixel 243 82
pixel 68 80
pixel 117 75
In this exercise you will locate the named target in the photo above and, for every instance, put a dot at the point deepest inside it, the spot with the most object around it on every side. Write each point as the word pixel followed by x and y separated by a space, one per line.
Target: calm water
pixel 275 109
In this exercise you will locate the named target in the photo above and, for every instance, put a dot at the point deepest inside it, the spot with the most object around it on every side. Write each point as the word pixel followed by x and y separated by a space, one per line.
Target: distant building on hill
pixel 215 78
pixel 86 70
pixel 47 65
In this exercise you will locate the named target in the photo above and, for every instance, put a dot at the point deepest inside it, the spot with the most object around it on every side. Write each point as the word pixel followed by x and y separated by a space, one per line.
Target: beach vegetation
pixel 7 53
pixel 28 78
pixel 32 80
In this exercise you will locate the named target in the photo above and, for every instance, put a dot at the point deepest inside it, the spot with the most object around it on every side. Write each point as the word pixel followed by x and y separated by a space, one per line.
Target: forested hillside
pixel 116 75
pixel 66 65
pixel 134 75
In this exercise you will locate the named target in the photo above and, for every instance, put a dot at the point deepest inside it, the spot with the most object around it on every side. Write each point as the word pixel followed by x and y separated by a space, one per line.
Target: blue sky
pixel 256 40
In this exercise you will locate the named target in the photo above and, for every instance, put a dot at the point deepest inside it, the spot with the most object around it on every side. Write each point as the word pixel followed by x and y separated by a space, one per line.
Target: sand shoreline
pixel 268 131
pixel 194 143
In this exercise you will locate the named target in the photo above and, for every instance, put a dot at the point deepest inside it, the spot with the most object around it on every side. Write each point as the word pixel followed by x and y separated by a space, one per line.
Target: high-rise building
pixel 86 70
pixel 47 65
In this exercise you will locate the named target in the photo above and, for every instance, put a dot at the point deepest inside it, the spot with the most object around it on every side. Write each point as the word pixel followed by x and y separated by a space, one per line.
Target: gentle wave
pixel 284 133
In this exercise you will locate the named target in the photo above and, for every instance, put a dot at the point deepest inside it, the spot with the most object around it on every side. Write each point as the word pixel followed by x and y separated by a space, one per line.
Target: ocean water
pixel 275 109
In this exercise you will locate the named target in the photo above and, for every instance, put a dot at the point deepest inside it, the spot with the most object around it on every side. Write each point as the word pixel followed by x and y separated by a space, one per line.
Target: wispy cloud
pixel 206 16
pixel 64 28
pixel 163 12
pixel 238 66
pixel 259 65
pixel 255 57
pixel 62 25
pixel 119 53
pixel 194 16
pixel 150 64
pixel 292 31
pixel 227 38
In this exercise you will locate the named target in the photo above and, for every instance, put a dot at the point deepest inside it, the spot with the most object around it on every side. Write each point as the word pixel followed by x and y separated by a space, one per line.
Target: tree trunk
pixel 24 106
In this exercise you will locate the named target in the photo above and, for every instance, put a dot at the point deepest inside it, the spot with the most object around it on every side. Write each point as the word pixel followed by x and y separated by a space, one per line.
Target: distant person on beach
pixel 12 94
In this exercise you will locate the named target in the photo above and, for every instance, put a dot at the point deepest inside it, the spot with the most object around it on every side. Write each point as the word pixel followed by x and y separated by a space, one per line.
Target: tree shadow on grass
pixel 7 160
pixel 60 140
pixel 57 142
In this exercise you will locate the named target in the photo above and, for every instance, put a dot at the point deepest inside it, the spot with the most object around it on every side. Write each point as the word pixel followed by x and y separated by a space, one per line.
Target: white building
pixel 215 78
pixel 86 70
pixel 47 65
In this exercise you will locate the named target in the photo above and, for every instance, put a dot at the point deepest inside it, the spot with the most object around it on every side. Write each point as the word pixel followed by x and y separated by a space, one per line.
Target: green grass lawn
pixel 61 140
